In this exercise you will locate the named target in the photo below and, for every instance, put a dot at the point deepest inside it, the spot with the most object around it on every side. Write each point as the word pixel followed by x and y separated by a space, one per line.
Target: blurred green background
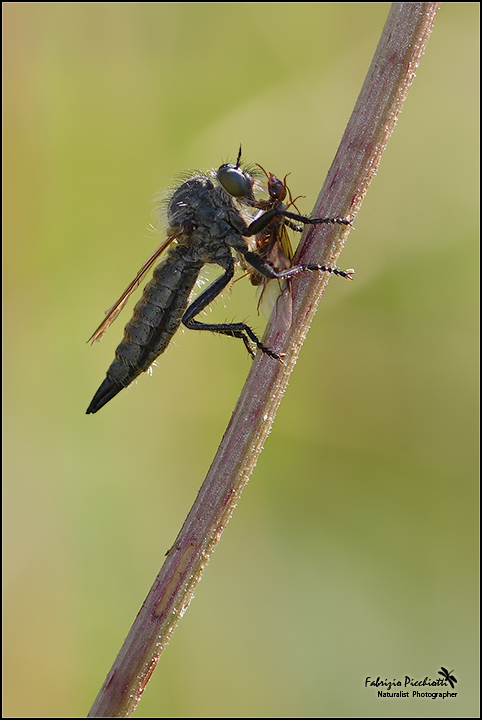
pixel 353 552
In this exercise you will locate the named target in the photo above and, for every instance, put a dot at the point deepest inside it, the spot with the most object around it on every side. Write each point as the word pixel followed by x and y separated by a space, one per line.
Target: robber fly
pixel 206 216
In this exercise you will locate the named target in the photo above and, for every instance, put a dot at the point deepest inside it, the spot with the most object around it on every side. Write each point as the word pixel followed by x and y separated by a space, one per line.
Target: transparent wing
pixel 114 311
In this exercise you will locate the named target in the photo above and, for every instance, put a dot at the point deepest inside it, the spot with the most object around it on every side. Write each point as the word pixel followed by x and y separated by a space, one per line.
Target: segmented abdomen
pixel 156 318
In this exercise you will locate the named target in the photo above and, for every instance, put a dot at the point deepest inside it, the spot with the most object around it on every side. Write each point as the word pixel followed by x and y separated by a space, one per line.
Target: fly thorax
pixel 187 199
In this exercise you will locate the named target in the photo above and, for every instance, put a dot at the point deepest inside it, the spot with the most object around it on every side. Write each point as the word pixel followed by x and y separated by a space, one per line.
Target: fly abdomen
pixel 156 318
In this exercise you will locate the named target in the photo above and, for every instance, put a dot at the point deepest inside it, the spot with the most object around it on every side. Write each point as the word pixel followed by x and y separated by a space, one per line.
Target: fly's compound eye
pixel 235 181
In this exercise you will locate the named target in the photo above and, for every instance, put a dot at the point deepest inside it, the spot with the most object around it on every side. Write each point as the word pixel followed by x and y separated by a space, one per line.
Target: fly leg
pixel 312 221
pixel 264 268
pixel 238 330
pixel 260 223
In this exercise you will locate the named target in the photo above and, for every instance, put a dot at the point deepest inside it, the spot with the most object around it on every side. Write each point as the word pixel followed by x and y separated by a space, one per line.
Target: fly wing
pixel 280 256
pixel 114 311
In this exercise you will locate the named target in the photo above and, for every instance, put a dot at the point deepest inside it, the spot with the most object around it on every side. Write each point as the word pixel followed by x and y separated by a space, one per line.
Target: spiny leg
pixel 347 274
pixel 238 330
pixel 261 222
pixel 264 268
pixel 315 221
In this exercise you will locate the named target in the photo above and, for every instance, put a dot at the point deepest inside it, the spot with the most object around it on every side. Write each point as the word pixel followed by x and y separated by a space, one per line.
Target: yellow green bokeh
pixel 353 551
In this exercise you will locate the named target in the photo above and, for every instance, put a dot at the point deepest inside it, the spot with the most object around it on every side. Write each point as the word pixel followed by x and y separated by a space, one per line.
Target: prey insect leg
pixel 238 330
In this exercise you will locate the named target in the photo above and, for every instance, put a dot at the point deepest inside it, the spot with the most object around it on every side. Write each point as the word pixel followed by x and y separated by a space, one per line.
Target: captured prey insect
pixel 206 216
pixel 274 245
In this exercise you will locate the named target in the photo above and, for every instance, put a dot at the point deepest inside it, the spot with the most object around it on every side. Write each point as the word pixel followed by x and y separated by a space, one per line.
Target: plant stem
pixel 380 101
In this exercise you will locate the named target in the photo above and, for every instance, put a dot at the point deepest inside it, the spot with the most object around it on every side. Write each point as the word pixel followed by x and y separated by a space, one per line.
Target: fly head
pixel 237 182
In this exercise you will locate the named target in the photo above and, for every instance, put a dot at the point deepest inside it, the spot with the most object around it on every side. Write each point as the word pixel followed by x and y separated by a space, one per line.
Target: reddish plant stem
pixel 380 101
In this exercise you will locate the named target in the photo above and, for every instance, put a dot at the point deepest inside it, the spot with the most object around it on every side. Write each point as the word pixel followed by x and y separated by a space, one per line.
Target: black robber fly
pixel 211 217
